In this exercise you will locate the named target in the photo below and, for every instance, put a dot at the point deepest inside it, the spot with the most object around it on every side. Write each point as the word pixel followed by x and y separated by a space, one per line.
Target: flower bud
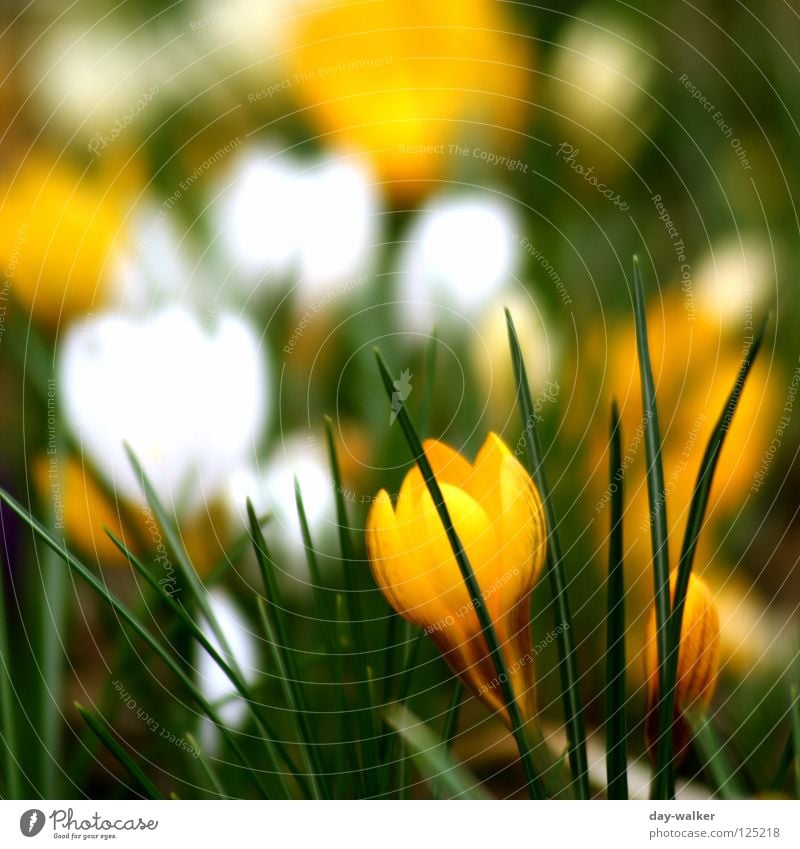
pixel 698 662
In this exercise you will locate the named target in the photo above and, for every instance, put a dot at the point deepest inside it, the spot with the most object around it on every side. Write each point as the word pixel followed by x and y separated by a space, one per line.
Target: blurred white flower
pixel 212 682
pixel 339 208
pixel 734 281
pixel 189 400
pixel 271 489
pixel 460 254
pixel 275 217
pixel 259 215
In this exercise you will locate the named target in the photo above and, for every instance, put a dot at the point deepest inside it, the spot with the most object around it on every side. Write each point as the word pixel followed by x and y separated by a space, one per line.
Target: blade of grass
pixel 664 777
pixel 236 551
pixel 714 757
pixel 133 769
pixel 185 567
pixel 328 624
pixel 796 736
pixel 390 756
pixel 124 613
pixel 451 720
pixel 697 511
pixel 369 727
pixel 616 726
pixel 205 764
pixel 274 747
pixel 471 583
pixel 278 637
pixel 8 713
pixel 567 658
pixel 432 758
pixel 449 729
pixel 785 763
pixel 53 612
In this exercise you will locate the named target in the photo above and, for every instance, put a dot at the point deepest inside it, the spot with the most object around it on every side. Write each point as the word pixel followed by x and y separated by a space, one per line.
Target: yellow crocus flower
pixel 698 660
pixel 498 515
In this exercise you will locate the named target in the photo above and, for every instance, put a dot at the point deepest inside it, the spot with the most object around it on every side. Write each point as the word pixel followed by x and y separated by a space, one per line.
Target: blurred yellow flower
pixel 698 660
pixel 59 229
pixel 402 80
pixel 81 507
pixel 498 515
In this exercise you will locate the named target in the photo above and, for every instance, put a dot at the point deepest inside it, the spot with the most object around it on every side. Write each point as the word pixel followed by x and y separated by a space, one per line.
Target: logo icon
pixel 31 822
pixel 402 389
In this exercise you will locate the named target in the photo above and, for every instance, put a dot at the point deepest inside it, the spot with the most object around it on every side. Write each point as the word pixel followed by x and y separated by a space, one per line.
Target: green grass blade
pixel 719 768
pixel 278 636
pixel 320 594
pixel 274 747
pixel 796 737
pixel 451 720
pixel 471 583
pixel 235 552
pixel 664 777
pixel 208 770
pixel 369 727
pixel 785 763
pixel 697 511
pixel 449 729
pixel 567 658
pixel 54 611
pixel 133 769
pixel 8 701
pixel 432 758
pixel 616 726
pixel 174 544
pixel 125 614
pixel 328 631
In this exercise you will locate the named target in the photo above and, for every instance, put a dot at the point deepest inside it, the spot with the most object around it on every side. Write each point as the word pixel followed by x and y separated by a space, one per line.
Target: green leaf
pixel 321 597
pixel 697 511
pixel 471 582
pixel 184 564
pixel 369 727
pixel 277 634
pixel 796 736
pixel 664 777
pixel 150 790
pixel 8 702
pixel 274 747
pixel 719 768
pixel 208 770
pixel 567 657
pixel 124 612
pixel 616 727
pixel 432 758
